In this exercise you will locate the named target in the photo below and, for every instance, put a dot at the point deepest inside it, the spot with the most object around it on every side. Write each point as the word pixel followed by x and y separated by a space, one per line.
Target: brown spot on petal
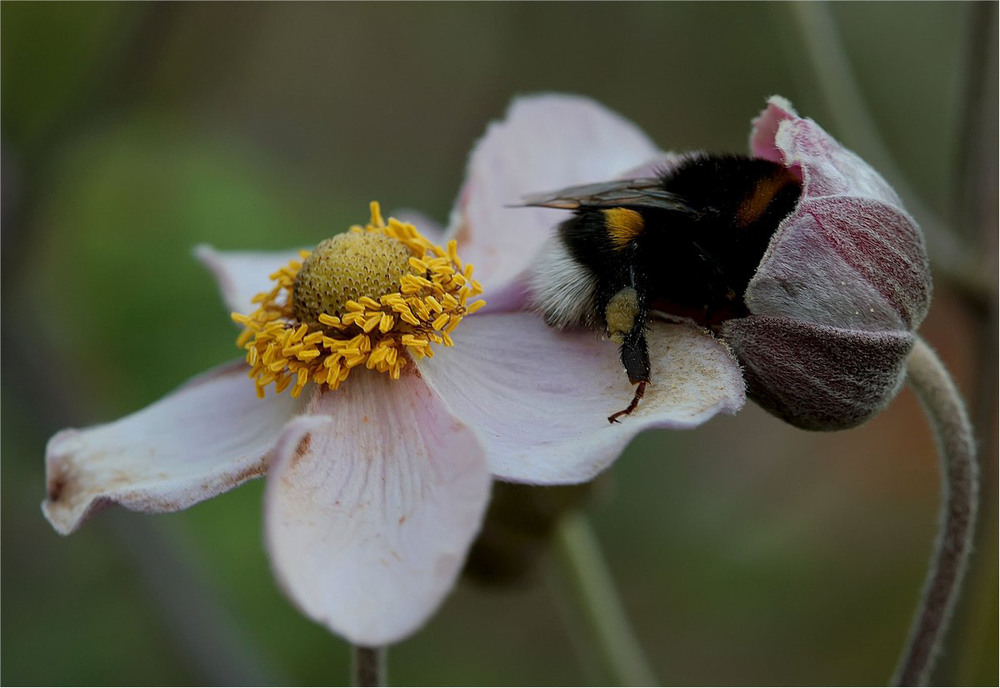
pixel 303 448
pixel 57 484
pixel 410 369
pixel 402 520
pixel 257 470
pixel 63 485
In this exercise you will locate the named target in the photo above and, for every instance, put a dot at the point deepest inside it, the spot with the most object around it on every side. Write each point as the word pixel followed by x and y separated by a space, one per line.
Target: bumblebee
pixel 685 242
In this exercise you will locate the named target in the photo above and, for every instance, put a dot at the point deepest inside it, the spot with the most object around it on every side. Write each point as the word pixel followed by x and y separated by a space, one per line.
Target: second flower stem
pixel 368 666
pixel 592 587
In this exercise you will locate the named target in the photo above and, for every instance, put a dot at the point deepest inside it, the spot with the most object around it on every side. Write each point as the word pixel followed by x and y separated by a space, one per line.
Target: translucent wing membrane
pixel 647 192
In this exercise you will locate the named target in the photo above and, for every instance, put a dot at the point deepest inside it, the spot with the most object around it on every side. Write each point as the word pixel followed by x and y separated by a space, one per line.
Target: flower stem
pixel 591 585
pixel 368 666
pixel 956 449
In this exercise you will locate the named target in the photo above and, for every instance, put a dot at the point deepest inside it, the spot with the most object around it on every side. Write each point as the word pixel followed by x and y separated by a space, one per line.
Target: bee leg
pixel 635 357
pixel 639 391
pixel 625 318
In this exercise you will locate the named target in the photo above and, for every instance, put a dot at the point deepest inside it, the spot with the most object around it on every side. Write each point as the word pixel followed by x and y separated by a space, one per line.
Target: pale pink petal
pixel 764 129
pixel 827 168
pixel 815 376
pixel 540 398
pixel 199 441
pixel 241 275
pixel 372 502
pixel 544 143
pixel 867 262
pixel 866 267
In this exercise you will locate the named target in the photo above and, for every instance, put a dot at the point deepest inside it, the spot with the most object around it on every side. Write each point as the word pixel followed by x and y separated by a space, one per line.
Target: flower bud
pixel 839 293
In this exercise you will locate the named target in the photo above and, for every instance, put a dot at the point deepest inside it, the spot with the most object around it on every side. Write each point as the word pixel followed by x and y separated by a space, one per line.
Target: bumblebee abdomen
pixel 707 255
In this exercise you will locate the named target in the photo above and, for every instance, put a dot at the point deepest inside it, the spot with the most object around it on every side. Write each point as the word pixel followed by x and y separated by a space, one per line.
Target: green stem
pixel 592 587
pixel 368 666
pixel 956 449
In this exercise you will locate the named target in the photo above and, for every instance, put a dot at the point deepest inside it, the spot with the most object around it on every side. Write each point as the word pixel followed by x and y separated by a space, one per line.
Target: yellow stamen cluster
pixel 374 330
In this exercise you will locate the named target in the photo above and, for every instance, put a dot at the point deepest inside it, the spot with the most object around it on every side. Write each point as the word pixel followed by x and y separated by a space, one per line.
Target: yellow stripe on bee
pixel 623 225
pixel 756 203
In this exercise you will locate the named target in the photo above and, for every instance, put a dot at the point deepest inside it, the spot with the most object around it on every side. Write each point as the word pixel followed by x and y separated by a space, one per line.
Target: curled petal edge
pixel 151 461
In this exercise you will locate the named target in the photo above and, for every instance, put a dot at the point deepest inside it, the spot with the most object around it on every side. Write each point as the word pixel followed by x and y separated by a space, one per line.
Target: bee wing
pixel 645 192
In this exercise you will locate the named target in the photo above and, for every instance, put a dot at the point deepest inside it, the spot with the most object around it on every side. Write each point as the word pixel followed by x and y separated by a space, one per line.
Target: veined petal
pixel 868 267
pixel 544 143
pixel 373 500
pixel 827 168
pixel 828 378
pixel 540 398
pixel 241 275
pixel 203 439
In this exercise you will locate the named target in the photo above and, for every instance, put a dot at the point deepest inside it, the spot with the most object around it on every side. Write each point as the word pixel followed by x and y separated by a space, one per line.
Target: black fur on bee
pixel 685 242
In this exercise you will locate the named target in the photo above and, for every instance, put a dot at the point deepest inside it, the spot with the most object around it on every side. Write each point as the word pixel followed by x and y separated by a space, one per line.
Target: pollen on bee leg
pixel 620 313
pixel 372 297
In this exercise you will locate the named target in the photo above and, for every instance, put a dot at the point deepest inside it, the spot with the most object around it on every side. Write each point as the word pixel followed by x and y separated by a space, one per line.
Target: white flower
pixel 376 489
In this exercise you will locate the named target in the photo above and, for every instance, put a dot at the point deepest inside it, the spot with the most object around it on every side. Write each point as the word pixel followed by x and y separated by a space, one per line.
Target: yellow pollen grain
pixel 319 321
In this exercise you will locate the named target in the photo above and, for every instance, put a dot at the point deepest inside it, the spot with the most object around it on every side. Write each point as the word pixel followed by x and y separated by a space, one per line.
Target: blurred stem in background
pixel 592 588
pixel 958 253
pixel 952 257
pixel 975 200
pixel 203 633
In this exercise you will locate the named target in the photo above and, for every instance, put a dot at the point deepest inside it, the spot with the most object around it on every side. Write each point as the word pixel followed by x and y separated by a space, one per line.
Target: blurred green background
pixel 747 552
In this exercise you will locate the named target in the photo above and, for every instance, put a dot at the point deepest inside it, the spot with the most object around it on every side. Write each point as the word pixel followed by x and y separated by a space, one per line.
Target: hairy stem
pixel 368 666
pixel 974 201
pixel 956 450
pixel 592 587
